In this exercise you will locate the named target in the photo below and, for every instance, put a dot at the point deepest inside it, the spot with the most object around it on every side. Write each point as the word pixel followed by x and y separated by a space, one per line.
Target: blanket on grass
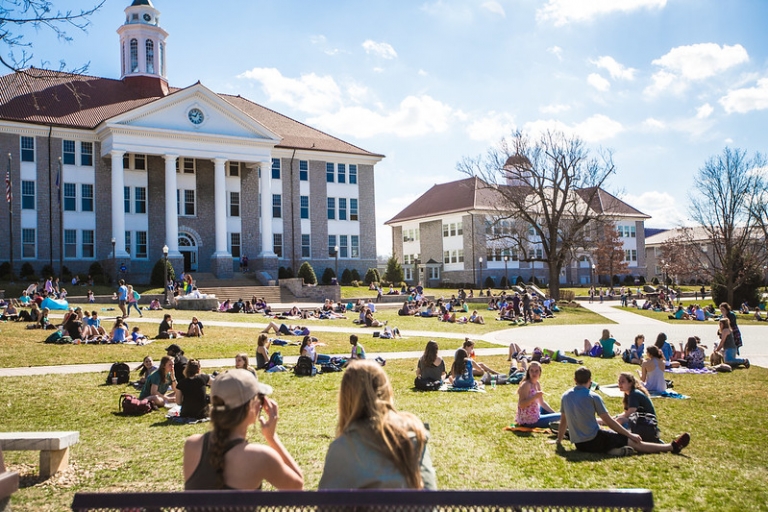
pixel 670 394
pixel 448 387
pixel 611 390
pixel 173 416
pixel 702 371
pixel 536 430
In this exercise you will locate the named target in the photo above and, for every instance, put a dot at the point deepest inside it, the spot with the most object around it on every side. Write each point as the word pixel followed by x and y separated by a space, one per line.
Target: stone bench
pixel 197 304
pixel 53 447
pixel 9 484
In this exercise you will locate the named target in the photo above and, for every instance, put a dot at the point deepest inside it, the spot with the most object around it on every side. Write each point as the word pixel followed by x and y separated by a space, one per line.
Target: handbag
pixel 645 425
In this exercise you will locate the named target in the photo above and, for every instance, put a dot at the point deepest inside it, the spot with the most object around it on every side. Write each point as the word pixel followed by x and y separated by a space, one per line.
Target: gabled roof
pixel 473 194
pixel 80 101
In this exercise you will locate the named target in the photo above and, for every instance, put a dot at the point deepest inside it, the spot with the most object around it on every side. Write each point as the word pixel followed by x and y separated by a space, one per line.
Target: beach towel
pixel 700 371
pixel 611 390
pixel 670 394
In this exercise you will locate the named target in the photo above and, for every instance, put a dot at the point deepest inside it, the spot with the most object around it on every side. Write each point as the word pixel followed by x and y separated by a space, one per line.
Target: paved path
pixel 557 337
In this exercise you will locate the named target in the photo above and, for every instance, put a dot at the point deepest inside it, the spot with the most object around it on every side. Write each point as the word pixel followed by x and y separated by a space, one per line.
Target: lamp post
pixel 593 274
pixel 336 254
pixel 506 274
pixel 114 260
pixel 765 277
pixel 480 259
pixel 165 273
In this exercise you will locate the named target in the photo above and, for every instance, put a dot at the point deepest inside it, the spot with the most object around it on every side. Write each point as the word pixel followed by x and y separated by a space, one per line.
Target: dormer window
pixel 150 56
pixel 135 17
pixel 134 56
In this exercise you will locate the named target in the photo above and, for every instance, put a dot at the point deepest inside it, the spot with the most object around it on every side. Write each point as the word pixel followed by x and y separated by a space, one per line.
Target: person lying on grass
pixel 478 368
pixel 579 408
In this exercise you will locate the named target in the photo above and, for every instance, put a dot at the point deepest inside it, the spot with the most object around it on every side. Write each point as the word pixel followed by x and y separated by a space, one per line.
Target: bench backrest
pixel 380 500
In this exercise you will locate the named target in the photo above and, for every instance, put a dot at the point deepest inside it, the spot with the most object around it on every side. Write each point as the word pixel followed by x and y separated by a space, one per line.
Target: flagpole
pixel 9 198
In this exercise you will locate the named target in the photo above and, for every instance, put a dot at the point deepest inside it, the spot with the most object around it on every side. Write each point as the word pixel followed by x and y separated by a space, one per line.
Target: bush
pixel 355 275
pixel 641 280
pixel 355 283
pixel 520 281
pixel 328 276
pixel 158 276
pixel 285 273
pixel 489 283
pixel 48 271
pixel 567 295
pixel 5 271
pixel 629 280
pixel 655 281
pixel 748 291
pixel 346 277
pixel 372 276
pixel 27 270
pixel 503 283
pixel 535 280
pixel 96 270
pixel 307 273
pixel 394 273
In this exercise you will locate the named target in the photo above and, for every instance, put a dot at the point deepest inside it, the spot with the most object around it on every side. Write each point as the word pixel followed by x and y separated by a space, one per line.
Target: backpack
pixel 626 356
pixel 304 367
pixel 330 368
pixel 58 338
pixel 121 371
pixel 275 359
pixel 132 406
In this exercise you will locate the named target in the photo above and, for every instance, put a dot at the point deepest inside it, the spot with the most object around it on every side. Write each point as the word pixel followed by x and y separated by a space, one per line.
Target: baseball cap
pixel 237 387
pixel 174 349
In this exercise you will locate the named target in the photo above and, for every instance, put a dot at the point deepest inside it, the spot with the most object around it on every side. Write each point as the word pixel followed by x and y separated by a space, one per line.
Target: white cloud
pixel 422 72
pixel 383 50
pixel 661 206
pixel 617 71
pixel 598 82
pixel 704 111
pixel 492 127
pixel 554 108
pixel 557 52
pixel 494 7
pixel 728 141
pixel 747 99
pixel 595 128
pixel 652 124
pixel 318 39
pixel 321 40
pixel 310 93
pixel 684 64
pixel 377 69
pixel 415 116
pixel 568 11
pixel 357 93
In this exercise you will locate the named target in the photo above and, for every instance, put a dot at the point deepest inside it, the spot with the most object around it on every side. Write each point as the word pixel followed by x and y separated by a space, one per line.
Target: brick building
pixel 112 170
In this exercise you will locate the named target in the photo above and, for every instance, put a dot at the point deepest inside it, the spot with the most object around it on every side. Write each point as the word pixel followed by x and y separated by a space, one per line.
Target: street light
pixel 593 274
pixel 336 253
pixel 480 259
pixel 114 261
pixel 765 276
pixel 506 275
pixel 165 274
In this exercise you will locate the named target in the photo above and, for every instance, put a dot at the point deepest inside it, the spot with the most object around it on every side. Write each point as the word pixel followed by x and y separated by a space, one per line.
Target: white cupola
pixel 142 43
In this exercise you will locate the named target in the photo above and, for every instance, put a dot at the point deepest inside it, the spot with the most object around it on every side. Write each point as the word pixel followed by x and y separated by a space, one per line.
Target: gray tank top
pixel 204 476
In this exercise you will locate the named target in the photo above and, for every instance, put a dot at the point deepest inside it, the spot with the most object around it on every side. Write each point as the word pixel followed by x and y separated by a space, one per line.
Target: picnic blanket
pixel 448 387
pixel 611 390
pixel 670 394
pixel 54 304
pixel 141 343
pixel 173 416
pixel 702 371
pixel 535 430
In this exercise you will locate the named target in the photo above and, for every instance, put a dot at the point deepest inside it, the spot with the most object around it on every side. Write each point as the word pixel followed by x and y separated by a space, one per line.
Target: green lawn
pixel 723 468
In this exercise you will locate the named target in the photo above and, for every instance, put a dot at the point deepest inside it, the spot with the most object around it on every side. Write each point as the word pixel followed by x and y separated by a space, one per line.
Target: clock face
pixel 196 116
pixel 147 17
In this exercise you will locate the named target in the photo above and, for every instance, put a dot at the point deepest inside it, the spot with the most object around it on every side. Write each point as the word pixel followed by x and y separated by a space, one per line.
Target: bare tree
pixel 727 195
pixel 609 253
pixel 544 194
pixel 18 16
pixel 684 257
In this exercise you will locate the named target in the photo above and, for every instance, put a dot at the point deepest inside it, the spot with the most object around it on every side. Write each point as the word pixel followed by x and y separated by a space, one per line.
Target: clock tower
pixel 142 48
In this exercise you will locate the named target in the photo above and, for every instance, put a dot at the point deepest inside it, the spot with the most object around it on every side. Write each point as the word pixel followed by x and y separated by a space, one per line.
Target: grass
pixel 723 468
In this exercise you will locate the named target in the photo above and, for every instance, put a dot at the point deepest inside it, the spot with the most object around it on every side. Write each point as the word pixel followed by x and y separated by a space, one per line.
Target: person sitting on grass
pixel 478 369
pixel 637 349
pixel 474 318
pixel 680 314
pixel 190 392
pixel 376 445
pixel 166 330
pixel 159 383
pixel 307 349
pixel 262 351
pixel 652 371
pixel 119 332
pixel 667 351
pixel 636 400
pixel 604 347
pixel 223 458
pixel 757 316
pixel 358 351
pixel 579 408
pixel 727 346
pixel 694 354
pixel 137 337
pixel 462 371
pixel 195 328
pixel 145 369
pixel 532 410
pixel 154 305
pixel 430 370
pixel 370 321
pixel 242 362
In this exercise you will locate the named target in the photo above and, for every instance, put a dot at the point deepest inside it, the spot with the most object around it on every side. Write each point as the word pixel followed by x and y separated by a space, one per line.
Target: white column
pixel 220 206
pixel 171 217
pixel 118 204
pixel 265 191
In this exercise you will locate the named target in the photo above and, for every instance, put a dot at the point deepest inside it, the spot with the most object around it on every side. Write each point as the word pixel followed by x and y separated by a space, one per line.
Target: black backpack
pixel 121 371
pixel 304 367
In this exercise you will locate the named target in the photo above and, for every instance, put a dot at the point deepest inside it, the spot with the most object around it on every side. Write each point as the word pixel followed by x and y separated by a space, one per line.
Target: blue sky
pixel 664 84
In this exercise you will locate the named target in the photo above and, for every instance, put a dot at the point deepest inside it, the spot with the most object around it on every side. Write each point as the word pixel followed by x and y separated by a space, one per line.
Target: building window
pixel 514 255
pixel 342 208
pixel 355 247
pixel 127 199
pixel 446 257
pixel 234 245
pixel 303 170
pixel 461 255
pixel 277 210
pixel 632 233
pixel 150 48
pixel 88 245
pixel 68 152
pixel 434 272
pixel 27 149
pixel 329 174
pixel 305 247
pixel 234 169
pixel 539 254
pixel 28 243
pixel 134 56
pixel 189 203
pixel 408 274
pixel 234 204
pixel 187 165
pixel 162 59
pixel 453 229
pixel 86 154
pixel 86 197
pixel 352 174
pixel 70 197
pixel 342 174
pixel 454 256
pixel 127 242
pixel 277 244
pixel 140 162
pixel 304 206
pixel 353 209
pixel 140 200
pixel 343 246
pixel 141 244
pixel 27 195
pixel 275 168
pixel 126 161
pixel 331 245
pixel 70 243
pixel 331 208
pixel 459 229
pixel 445 230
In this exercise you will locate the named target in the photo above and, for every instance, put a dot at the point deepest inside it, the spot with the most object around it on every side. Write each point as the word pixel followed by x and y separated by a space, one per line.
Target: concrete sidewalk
pixel 557 337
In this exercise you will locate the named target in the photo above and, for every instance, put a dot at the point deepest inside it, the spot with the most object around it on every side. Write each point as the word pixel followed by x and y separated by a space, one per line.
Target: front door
pixel 188 250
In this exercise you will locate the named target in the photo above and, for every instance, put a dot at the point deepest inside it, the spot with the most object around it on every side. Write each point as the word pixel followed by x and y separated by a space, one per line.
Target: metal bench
pixel 53 447
pixel 380 500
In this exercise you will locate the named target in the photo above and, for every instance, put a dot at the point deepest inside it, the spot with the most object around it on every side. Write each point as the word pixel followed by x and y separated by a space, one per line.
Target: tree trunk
pixel 554 282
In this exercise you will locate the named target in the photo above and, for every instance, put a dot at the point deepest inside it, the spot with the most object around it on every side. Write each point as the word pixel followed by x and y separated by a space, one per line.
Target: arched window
pixel 134 56
pixel 162 59
pixel 150 56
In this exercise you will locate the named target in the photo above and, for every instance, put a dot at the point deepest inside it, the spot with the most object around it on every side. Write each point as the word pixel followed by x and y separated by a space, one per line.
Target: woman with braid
pixel 223 458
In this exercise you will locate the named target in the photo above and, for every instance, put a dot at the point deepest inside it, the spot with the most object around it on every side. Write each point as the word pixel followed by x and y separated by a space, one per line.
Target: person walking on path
pixel 122 297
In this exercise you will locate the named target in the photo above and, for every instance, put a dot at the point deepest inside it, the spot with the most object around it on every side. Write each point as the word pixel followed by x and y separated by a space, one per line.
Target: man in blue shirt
pixel 122 296
pixel 580 405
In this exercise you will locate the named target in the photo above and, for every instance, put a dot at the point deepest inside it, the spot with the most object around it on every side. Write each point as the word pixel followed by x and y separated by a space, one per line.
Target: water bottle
pixel 493 381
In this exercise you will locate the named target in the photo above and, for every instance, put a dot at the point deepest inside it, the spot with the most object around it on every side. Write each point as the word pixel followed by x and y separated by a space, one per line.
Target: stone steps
pixel 272 294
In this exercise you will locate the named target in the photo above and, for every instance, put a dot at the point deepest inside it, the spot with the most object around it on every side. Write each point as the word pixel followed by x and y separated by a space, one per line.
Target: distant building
pixel 447 231
pixel 113 170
